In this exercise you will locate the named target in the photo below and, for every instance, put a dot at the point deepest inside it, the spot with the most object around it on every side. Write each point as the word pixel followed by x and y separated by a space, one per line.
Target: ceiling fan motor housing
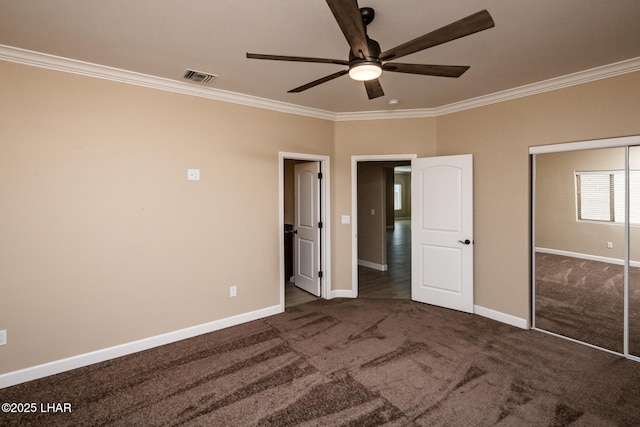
pixel 373 58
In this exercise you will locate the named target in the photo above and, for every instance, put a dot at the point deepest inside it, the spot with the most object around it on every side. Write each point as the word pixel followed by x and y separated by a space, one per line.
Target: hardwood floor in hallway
pixel 395 283
pixel 295 296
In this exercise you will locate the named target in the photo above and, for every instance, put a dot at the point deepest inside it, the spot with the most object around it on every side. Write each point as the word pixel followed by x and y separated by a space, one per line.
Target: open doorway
pixel 383 221
pixel 304 237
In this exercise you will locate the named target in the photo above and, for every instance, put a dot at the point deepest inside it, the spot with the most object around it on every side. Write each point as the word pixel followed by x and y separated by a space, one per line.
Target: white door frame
pixel 325 232
pixel 354 207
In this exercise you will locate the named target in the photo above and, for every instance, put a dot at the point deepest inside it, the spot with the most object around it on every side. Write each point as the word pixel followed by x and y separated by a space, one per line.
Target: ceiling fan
pixel 366 61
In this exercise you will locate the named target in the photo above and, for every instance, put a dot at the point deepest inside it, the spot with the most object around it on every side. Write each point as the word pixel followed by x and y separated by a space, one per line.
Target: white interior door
pixel 306 240
pixel 442 231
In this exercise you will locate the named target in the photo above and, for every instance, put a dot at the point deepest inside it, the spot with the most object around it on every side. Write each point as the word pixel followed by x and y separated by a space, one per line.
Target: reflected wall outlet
pixel 233 291
pixel 3 337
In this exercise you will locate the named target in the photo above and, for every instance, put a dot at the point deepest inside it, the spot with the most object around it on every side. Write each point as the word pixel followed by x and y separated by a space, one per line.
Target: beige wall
pixel 289 190
pixel 104 241
pixel 379 137
pixel 499 136
pixel 556 224
pixel 372 230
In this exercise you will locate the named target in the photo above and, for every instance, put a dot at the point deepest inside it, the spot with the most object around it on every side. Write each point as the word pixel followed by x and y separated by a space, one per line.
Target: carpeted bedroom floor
pixel 584 300
pixel 348 362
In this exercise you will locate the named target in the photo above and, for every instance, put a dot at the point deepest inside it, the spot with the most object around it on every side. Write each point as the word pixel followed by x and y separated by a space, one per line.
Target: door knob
pixel 465 242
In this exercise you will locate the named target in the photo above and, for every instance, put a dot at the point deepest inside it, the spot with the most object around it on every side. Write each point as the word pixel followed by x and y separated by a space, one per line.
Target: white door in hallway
pixel 306 240
pixel 442 231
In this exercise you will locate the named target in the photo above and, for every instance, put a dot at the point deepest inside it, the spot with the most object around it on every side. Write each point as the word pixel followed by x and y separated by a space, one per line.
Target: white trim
pixel 343 293
pixel 73 66
pixel 518 322
pixel 579 342
pixel 325 215
pixel 354 206
pixel 625 141
pixel 556 83
pixel 580 77
pixel 375 266
pixel 37 59
pixel 387 114
pixel 589 257
pixel 74 362
pixel 622 141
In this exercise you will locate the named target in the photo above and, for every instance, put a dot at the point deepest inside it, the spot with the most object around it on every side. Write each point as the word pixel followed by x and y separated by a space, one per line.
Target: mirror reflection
pixel 579 245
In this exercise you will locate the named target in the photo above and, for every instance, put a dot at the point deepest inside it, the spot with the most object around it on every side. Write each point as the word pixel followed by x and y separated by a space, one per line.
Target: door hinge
pixel 320 224
pixel 319 175
pixel 320 274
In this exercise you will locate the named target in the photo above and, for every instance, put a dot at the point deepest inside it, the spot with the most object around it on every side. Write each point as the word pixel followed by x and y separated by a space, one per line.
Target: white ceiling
pixel 532 41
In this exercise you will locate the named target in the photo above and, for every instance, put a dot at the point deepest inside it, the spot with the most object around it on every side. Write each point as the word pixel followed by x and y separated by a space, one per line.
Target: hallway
pixel 395 283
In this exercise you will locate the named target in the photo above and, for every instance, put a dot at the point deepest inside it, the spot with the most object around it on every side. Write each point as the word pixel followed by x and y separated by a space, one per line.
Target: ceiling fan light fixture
pixel 365 71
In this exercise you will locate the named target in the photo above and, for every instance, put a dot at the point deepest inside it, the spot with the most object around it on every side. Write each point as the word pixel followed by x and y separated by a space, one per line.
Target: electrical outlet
pixel 3 337
pixel 233 291
pixel 610 245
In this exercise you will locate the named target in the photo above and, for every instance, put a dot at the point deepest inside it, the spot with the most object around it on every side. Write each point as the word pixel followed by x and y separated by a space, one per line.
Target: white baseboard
pixel 518 322
pixel 58 366
pixel 343 293
pixel 589 257
pixel 379 267
pixel 74 362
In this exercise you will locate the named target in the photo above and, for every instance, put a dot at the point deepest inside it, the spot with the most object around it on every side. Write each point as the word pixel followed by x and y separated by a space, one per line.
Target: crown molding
pixel 580 77
pixel 52 62
pixel 603 72
pixel 386 114
pixel 42 60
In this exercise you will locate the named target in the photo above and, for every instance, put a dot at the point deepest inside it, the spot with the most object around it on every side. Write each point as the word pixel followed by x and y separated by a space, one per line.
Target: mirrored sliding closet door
pixel 634 252
pixel 586 242
pixel 579 245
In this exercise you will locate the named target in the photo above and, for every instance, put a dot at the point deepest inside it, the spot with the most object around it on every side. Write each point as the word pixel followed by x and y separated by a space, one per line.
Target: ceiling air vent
pixel 198 77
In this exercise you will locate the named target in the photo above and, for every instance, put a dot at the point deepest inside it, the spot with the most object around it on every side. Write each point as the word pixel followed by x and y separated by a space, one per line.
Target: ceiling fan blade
pixel 296 58
pixel 319 81
pixel 427 70
pixel 471 24
pixel 347 13
pixel 374 89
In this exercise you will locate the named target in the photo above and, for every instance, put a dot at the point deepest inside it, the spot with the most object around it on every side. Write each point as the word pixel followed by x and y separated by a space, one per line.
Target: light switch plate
pixel 193 174
pixel 346 219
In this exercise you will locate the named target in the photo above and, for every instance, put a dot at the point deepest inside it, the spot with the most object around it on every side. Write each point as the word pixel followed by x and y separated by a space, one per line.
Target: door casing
pixel 306 239
pixel 325 208
pixel 353 293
